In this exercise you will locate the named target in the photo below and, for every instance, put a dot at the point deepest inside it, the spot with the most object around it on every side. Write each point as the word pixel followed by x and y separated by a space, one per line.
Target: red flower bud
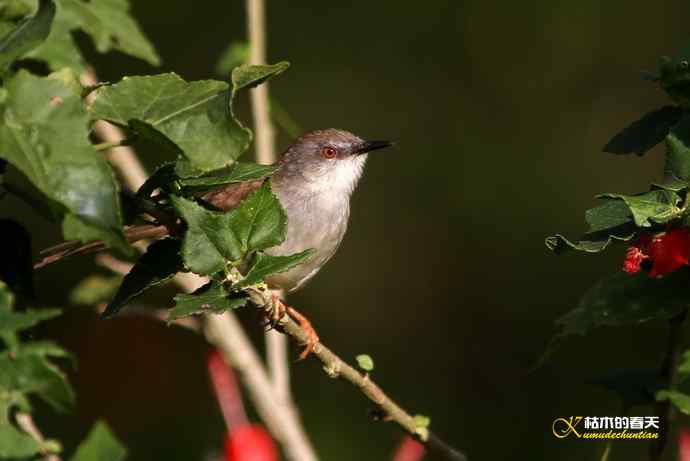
pixel 250 443
pixel 684 444
pixel 409 450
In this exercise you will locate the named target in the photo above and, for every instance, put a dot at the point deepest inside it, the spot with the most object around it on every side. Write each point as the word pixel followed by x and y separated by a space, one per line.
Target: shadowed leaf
pixel 44 133
pixel 28 35
pixel 158 265
pixel 643 134
pixel 16 268
pixel 625 298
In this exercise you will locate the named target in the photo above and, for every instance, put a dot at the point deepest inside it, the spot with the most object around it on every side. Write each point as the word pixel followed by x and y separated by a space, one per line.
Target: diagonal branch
pixel 335 367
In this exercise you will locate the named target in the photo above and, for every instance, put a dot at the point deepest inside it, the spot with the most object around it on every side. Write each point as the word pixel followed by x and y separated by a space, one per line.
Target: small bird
pixel 314 182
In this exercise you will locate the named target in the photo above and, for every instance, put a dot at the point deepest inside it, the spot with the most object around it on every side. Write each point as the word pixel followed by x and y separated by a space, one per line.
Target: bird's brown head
pixel 327 158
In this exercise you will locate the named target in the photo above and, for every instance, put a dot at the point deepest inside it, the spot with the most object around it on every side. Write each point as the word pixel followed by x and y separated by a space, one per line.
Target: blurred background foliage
pixel 499 111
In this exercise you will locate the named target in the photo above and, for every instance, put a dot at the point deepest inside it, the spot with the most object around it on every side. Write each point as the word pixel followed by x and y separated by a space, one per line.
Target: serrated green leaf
pixel 110 25
pixel 159 264
pixel 265 265
pixel 60 50
pixel 235 54
pixel 11 322
pixel 625 298
pixel 678 399
pixel 612 214
pixel 672 184
pixel 591 243
pixel 209 239
pixel 194 119
pixel 100 445
pixel 239 172
pixel 28 35
pixel 193 116
pixel 210 298
pixel 44 133
pixel 214 238
pixel 13 442
pixel 95 289
pixel 643 134
pixel 365 362
pixel 29 372
pixel 650 208
pixel 16 267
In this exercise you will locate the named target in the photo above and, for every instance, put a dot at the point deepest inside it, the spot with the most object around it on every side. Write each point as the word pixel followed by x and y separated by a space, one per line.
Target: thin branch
pixel 27 424
pixel 125 160
pixel 667 376
pixel 335 367
pixel 277 353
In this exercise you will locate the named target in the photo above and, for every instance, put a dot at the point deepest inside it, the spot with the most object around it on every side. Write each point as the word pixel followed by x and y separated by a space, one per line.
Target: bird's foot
pixel 278 310
pixel 312 337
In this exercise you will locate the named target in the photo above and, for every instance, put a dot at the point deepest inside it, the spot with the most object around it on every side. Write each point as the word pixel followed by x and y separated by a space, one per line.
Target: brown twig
pixel 335 367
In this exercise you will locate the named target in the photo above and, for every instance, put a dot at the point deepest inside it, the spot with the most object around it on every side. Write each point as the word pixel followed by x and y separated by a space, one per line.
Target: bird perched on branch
pixel 314 182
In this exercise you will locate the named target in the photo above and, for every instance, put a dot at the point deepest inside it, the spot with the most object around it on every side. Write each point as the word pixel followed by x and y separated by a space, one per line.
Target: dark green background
pixel 499 111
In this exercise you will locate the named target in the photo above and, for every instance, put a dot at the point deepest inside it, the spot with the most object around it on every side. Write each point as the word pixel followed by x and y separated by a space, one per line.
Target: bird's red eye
pixel 329 152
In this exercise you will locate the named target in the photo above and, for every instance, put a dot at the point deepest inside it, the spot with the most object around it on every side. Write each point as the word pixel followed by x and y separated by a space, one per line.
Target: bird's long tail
pixel 132 234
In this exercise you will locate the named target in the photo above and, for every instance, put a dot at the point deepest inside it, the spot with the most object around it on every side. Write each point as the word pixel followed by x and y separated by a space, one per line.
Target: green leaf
pixel 44 133
pixel 265 265
pixel 677 151
pixel 29 372
pixel 195 117
pixel 625 298
pixel 13 442
pixel 16 267
pixel 110 25
pixel 672 184
pixel 95 289
pixel 247 76
pixel 365 362
pixel 211 297
pixel 609 222
pixel 422 421
pixel 212 237
pixel 678 399
pixel 643 134
pixel 60 50
pixel 650 208
pixel 100 445
pixel 235 54
pixel 12 322
pixel 28 35
pixel 239 172
pixel 159 264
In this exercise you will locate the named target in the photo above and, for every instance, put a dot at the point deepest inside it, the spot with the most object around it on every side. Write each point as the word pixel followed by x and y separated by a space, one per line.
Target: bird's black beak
pixel 368 146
